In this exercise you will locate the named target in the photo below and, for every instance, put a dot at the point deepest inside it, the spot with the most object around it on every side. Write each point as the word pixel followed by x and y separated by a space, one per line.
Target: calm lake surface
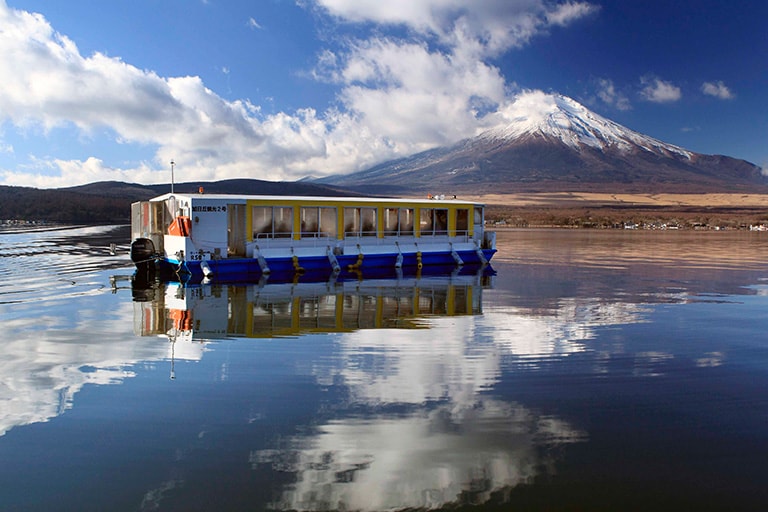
pixel 596 370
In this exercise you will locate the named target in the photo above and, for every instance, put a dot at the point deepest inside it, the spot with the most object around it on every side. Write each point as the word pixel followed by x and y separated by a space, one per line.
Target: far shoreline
pixel 545 210
pixel 621 211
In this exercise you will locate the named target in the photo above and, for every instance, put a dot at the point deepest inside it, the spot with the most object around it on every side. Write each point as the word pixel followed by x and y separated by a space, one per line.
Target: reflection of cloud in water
pixel 46 361
pixel 460 356
pixel 560 330
pixel 426 459
pixel 710 360
pixel 650 364
pixel 460 446
pixel 387 366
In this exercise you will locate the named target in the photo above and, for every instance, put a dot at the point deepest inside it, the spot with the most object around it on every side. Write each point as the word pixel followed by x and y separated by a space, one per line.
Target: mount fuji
pixel 550 142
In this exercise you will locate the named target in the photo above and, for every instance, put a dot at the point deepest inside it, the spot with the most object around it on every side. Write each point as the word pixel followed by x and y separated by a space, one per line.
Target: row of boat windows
pixel 322 221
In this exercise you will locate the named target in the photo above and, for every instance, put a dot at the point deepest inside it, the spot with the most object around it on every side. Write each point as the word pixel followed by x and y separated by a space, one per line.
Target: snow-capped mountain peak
pixel 537 113
pixel 551 142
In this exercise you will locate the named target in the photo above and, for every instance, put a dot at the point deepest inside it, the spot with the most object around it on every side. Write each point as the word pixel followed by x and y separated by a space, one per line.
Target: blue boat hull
pixel 249 269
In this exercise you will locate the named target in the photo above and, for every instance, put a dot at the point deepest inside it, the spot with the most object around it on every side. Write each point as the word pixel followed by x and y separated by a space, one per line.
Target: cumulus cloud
pixel 409 91
pixel 566 13
pixel 660 91
pixel 491 25
pixel 609 95
pixel 718 90
pixel 48 83
pixel 396 96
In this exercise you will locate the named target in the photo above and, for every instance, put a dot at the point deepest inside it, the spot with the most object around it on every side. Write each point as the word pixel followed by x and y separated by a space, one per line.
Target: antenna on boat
pixel 172 164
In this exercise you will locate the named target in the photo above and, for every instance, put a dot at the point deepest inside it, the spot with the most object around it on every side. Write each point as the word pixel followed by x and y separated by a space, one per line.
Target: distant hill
pixel 110 201
pixel 234 186
pixel 556 144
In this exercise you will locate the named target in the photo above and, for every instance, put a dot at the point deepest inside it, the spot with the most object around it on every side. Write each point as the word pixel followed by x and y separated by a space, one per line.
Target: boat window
pixel 309 221
pixel 368 221
pixel 441 221
pixel 390 221
pixel 462 222
pixel 318 221
pixel 328 224
pixel 398 221
pixel 262 221
pixel 406 221
pixel 478 216
pixel 433 221
pixel 426 225
pixel 157 222
pixel 359 222
pixel 272 221
pixel 283 221
pixel 171 208
pixel 351 221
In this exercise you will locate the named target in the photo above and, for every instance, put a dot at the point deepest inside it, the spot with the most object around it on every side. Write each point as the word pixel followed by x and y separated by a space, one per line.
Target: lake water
pixel 596 370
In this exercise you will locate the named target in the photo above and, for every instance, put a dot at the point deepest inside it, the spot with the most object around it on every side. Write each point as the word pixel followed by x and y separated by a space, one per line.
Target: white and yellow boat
pixel 230 237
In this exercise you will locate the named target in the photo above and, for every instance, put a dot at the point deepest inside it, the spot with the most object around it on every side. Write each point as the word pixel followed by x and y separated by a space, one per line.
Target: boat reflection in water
pixel 339 303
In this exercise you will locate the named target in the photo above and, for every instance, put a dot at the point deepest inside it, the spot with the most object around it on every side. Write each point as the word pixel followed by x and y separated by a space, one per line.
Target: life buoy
pixel 181 226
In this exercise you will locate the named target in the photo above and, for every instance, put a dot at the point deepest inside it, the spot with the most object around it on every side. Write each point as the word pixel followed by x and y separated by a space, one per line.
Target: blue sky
pixel 282 89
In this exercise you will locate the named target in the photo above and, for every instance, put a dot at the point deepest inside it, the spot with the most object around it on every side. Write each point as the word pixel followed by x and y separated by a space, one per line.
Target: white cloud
pixel 568 12
pixel 492 25
pixel 56 173
pixel 608 93
pixel 47 83
pixel 659 91
pixel 252 23
pixel 718 90
pixel 409 92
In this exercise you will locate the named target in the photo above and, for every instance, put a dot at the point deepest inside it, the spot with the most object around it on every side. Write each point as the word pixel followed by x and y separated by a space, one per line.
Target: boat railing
pixel 270 235
pixel 364 238
pixel 460 237
pixel 321 237
pixel 265 240
pixel 360 235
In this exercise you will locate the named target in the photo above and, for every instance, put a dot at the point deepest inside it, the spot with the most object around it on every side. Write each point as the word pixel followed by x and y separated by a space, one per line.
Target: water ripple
pixel 58 263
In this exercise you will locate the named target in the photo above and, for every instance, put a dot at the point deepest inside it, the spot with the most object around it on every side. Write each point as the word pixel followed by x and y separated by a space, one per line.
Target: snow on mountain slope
pixel 561 117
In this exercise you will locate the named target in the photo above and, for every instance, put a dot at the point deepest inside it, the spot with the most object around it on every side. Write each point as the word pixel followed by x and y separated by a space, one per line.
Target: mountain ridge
pixel 110 201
